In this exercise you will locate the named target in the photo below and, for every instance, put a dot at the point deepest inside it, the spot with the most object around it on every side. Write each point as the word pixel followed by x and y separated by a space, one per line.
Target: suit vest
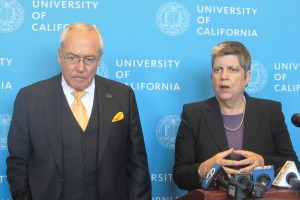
pixel 79 155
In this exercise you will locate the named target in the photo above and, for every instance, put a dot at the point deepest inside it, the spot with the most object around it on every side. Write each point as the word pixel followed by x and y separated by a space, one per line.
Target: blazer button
pixel 61 180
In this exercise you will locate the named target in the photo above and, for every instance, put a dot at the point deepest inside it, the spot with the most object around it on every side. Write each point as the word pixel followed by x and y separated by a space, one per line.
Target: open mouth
pixel 224 87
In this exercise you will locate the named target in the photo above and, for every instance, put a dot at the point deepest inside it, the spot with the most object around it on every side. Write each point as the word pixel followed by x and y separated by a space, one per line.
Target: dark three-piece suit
pixel 50 157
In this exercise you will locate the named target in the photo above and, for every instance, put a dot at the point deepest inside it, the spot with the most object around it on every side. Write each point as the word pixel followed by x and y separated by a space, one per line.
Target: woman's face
pixel 228 78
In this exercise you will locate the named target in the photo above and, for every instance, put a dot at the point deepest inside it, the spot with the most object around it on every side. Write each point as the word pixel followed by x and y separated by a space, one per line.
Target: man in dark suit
pixel 54 154
pixel 231 129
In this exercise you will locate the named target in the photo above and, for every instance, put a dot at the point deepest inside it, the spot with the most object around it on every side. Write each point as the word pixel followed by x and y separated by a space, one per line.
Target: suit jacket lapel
pixel 104 98
pixel 214 121
pixel 51 105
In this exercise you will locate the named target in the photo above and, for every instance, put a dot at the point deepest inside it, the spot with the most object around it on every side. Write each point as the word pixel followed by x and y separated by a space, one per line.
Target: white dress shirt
pixel 87 100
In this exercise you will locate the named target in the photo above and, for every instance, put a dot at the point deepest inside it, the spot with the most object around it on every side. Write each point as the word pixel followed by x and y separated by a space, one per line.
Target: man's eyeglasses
pixel 74 60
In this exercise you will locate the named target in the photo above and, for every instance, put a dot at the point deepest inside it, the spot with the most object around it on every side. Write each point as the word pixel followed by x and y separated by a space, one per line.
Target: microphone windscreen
pixel 296 119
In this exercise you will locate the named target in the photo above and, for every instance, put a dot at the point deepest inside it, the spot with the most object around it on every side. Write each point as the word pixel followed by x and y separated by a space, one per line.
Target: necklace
pixel 239 126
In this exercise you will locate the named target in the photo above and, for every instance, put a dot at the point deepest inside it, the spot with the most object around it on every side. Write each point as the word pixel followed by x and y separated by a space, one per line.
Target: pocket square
pixel 118 117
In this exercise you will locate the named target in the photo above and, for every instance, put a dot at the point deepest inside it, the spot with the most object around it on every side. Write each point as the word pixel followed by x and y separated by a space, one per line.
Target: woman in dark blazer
pixel 231 129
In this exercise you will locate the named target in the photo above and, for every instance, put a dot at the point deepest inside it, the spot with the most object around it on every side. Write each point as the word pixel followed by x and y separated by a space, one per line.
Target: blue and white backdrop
pixel 162 50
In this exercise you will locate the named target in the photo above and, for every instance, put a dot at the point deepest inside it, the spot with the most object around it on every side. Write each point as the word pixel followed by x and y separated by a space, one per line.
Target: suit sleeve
pixel 19 147
pixel 185 170
pixel 281 139
pixel 137 164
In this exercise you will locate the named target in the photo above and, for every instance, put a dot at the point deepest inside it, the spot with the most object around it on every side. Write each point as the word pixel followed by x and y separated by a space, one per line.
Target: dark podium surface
pixel 271 194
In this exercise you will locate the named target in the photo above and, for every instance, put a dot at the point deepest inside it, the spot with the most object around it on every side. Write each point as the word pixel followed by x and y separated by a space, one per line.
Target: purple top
pixel 234 138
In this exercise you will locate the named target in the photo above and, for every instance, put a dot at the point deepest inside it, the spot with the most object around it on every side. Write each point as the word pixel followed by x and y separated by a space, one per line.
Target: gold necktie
pixel 79 110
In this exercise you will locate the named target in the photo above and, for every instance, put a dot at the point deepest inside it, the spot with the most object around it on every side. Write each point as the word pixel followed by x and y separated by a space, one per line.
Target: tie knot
pixel 78 94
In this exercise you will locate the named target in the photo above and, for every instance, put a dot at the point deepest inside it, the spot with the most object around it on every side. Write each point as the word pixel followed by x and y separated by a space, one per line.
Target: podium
pixel 270 194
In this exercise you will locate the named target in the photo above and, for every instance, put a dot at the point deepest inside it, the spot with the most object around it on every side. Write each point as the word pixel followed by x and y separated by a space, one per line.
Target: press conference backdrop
pixel 162 50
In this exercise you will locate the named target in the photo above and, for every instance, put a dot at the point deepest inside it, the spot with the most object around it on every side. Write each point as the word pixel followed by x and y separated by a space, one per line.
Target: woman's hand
pixel 251 160
pixel 219 158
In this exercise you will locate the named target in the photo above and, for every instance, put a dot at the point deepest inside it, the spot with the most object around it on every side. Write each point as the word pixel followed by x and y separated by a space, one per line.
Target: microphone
pixel 264 175
pixel 296 119
pixel 243 178
pixel 238 189
pixel 288 176
pixel 291 178
pixel 247 186
pixel 215 178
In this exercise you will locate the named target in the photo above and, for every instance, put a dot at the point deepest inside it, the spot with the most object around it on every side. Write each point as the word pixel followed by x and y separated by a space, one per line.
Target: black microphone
pixel 247 186
pixel 296 119
pixel 217 178
pixel 291 178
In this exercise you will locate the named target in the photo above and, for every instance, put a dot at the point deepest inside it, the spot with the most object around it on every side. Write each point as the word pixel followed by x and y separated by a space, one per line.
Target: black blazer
pixel 201 135
pixel 34 164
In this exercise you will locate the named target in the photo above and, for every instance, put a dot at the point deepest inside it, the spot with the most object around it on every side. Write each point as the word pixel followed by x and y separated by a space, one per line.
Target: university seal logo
pixel 11 15
pixel 102 70
pixel 172 19
pixel 259 77
pixel 4 127
pixel 166 130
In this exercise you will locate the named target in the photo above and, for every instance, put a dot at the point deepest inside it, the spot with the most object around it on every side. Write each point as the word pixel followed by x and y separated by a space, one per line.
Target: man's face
pixel 79 58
